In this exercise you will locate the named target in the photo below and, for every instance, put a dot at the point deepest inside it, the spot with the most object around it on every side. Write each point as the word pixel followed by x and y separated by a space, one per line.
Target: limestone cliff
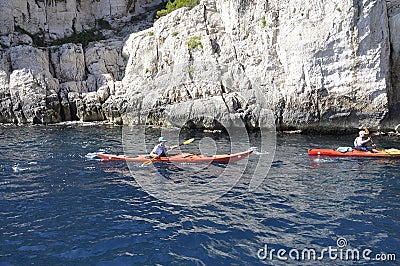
pixel 318 64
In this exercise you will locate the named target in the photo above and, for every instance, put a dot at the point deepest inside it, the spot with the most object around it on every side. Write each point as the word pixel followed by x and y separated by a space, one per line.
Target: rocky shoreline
pixel 329 67
pixel 387 133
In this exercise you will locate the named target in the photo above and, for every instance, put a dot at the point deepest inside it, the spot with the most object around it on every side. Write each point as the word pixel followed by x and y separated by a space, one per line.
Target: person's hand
pixel 154 156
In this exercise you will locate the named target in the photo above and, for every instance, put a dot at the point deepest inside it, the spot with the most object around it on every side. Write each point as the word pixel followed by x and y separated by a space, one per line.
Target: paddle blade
pixel 188 141
pixel 393 152
pixel 148 161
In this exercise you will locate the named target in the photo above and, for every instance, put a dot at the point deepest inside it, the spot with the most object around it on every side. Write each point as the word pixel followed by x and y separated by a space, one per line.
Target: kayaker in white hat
pixel 161 150
pixel 360 143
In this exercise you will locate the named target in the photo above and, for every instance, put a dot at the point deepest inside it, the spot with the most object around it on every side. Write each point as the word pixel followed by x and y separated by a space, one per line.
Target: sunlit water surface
pixel 61 205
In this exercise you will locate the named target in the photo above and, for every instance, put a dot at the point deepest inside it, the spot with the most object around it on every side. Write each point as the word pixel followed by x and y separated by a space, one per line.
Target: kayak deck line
pixel 180 158
pixel 388 153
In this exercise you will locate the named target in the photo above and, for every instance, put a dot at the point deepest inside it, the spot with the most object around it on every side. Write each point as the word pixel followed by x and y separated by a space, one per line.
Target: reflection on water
pixel 60 205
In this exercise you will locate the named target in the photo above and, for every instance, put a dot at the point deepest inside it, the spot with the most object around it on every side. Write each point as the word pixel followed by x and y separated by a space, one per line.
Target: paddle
pixel 183 143
pixel 373 143
pixel 393 152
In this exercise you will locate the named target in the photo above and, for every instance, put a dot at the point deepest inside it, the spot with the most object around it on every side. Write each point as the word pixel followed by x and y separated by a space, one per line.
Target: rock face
pixel 55 19
pixel 394 88
pixel 315 65
pixel 53 83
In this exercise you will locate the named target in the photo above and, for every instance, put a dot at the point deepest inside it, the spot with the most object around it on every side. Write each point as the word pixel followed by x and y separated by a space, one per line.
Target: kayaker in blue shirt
pixel 161 150
pixel 360 143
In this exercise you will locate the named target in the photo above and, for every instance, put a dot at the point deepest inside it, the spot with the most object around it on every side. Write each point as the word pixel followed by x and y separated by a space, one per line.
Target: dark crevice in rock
pixel 205 19
pixel 357 7
pixel 78 5
pixel 244 6
pixel 393 87
pixel 74 25
pixel 28 8
pixel 130 7
pixel 226 105
pixel 74 111
pixel 52 67
pixel 216 49
pixel 36 120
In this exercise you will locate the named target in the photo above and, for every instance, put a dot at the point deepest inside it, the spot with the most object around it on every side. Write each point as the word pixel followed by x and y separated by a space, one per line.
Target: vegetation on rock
pixel 171 6
pixel 84 37
pixel 262 22
pixel 37 39
pixel 193 42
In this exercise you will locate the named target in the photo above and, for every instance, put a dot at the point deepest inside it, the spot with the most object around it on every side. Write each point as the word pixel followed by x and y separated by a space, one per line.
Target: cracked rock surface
pixel 311 65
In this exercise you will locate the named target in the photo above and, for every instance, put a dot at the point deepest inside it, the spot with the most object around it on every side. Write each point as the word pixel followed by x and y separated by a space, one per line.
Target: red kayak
pixel 355 153
pixel 180 158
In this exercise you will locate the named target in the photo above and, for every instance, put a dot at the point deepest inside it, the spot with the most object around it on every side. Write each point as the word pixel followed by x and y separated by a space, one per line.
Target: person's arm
pixel 153 152
pixel 365 141
pixel 172 147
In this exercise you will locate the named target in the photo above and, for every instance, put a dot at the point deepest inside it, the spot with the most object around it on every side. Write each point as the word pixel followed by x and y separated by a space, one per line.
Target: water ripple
pixel 59 205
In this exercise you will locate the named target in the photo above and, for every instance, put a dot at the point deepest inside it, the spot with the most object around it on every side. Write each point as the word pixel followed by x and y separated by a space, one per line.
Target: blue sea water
pixel 61 205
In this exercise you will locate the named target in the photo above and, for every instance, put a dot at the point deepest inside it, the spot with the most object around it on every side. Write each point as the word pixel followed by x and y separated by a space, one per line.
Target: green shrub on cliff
pixel 171 6
pixel 37 39
pixel 190 70
pixel 103 24
pixel 193 42
pixel 84 37
pixel 262 22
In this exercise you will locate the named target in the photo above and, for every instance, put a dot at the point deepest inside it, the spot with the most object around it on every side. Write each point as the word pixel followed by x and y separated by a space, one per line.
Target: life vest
pixel 160 150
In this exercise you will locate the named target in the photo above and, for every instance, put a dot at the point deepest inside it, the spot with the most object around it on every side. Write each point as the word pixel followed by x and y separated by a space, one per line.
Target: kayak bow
pixel 355 153
pixel 180 158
